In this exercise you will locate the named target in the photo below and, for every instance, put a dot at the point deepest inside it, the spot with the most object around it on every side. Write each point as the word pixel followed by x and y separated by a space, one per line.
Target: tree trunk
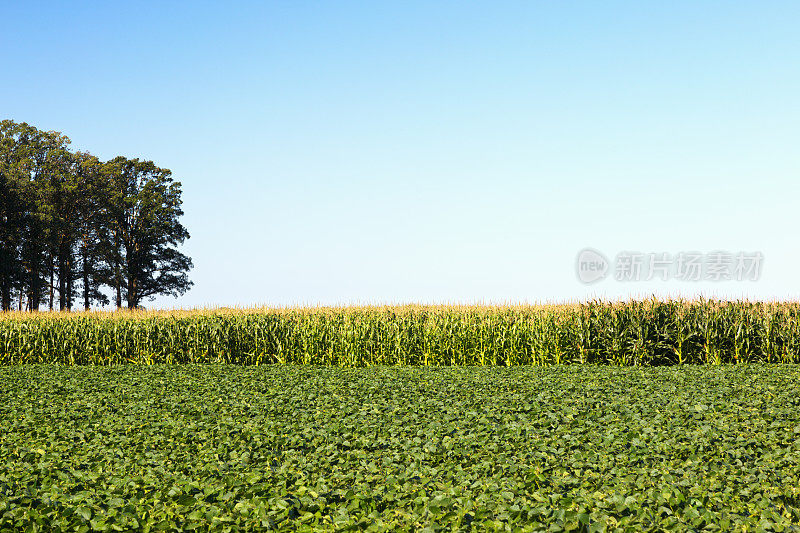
pixel 85 264
pixel 5 293
pixel 69 285
pixel 117 270
pixel 35 291
pixel 132 297
pixel 62 283
pixel 52 269
pixel 119 290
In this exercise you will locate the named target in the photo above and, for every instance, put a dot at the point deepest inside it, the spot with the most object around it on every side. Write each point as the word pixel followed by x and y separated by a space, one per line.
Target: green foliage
pixel 640 333
pixel 301 448
pixel 67 218
pixel 143 208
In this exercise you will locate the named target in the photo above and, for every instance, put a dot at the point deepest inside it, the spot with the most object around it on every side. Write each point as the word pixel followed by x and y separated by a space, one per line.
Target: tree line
pixel 76 230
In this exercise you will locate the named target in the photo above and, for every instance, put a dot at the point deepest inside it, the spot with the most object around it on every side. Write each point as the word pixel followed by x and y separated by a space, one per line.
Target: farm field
pixel 649 333
pixel 303 447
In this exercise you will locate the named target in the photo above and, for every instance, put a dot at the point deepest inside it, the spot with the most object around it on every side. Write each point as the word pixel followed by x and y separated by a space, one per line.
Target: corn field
pixel 649 332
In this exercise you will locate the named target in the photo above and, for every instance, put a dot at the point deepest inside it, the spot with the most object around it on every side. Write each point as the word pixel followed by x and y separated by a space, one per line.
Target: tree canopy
pixel 73 227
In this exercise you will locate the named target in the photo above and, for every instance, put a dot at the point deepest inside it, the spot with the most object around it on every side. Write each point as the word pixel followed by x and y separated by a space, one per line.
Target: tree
pixel 26 155
pixel 91 218
pixel 47 151
pixel 70 225
pixel 13 170
pixel 68 191
pixel 74 197
pixel 143 231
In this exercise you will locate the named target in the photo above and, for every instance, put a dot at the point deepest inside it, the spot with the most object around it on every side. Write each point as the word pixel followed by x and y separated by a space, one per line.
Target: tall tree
pixel 70 225
pixel 144 231
pixel 91 220
pixel 14 163
pixel 47 152
pixel 69 190
pixel 25 155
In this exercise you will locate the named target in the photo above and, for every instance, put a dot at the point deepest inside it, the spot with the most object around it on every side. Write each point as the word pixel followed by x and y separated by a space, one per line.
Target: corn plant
pixel 647 332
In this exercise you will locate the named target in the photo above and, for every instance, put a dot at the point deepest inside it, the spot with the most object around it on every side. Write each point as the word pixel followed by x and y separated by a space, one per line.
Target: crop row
pixel 649 332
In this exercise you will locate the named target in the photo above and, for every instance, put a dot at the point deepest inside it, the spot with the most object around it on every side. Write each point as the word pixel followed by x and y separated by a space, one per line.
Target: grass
pixel 638 333
pixel 301 448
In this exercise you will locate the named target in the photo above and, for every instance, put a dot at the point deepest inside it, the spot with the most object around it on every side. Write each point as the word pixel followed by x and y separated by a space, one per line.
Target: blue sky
pixel 376 152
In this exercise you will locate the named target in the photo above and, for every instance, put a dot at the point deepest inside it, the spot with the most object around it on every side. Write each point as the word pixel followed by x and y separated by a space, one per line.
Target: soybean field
pixel 322 448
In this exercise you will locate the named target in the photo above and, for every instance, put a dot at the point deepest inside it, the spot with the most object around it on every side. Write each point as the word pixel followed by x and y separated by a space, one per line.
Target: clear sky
pixel 377 152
